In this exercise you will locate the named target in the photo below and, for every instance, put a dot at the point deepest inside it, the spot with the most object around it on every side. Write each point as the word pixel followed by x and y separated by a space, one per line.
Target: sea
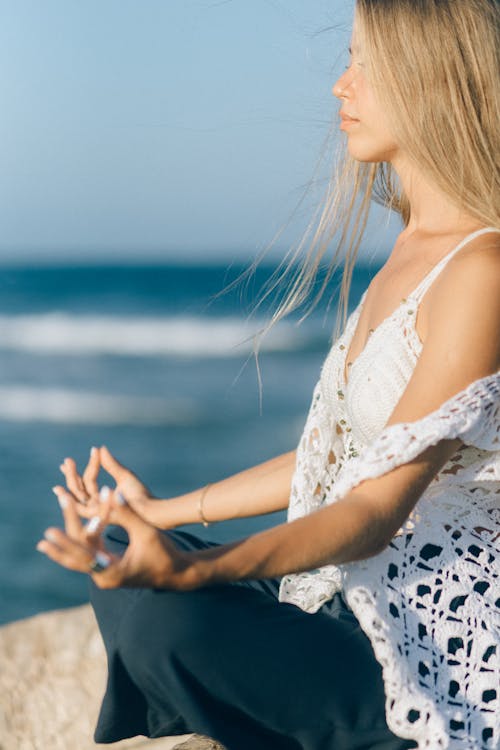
pixel 155 362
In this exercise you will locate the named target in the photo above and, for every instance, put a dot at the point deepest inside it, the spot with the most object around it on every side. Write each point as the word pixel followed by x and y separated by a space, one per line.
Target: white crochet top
pixel 430 601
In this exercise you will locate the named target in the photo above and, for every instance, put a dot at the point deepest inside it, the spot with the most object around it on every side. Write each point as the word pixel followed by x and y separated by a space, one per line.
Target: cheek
pixel 371 142
pixel 376 124
pixel 374 111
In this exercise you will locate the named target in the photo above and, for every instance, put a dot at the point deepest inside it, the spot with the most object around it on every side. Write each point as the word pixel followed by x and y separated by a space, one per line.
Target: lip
pixel 347 121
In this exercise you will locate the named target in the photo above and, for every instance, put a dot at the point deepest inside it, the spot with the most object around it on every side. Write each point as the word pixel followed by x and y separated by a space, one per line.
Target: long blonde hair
pixel 435 67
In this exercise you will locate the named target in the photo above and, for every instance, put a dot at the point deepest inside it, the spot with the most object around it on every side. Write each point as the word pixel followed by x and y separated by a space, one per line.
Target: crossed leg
pixel 234 663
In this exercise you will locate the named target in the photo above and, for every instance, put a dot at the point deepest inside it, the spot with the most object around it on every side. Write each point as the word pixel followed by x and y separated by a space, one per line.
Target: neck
pixel 431 211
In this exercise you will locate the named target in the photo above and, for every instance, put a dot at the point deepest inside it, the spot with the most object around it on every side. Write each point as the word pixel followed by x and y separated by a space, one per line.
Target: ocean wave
pixel 60 406
pixel 181 336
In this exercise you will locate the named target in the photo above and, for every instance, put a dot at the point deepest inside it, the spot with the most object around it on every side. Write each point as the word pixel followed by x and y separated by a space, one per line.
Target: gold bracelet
pixel 200 505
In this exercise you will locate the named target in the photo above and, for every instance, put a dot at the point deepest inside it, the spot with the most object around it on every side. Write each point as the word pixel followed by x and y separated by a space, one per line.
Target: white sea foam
pixel 60 334
pixel 55 405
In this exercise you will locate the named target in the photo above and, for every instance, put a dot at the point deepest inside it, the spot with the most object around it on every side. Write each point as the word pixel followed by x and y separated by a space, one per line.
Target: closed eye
pixel 352 62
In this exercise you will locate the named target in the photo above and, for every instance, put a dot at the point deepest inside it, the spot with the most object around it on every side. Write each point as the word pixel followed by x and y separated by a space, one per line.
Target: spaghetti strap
pixel 426 282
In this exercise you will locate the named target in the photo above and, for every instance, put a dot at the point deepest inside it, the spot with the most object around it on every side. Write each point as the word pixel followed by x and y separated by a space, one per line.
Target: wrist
pixel 168 513
pixel 201 511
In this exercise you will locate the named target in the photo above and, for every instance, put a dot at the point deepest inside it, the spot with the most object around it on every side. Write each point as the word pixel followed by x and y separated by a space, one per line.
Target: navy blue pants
pixel 234 663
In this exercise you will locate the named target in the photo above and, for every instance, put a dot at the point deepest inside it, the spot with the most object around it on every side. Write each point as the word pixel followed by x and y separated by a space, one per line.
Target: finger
pixel 67 502
pixel 60 556
pixel 92 531
pixel 70 554
pixel 66 551
pixel 99 520
pixel 95 507
pixel 89 510
pixel 104 505
pixel 74 481
pixel 112 466
pixel 92 472
pixel 124 515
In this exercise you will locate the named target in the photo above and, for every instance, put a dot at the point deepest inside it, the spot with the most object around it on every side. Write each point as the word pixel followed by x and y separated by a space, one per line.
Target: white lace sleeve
pixel 430 601
pixel 472 415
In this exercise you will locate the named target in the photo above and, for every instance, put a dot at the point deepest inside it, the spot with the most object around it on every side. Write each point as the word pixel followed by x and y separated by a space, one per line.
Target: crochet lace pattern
pixel 430 602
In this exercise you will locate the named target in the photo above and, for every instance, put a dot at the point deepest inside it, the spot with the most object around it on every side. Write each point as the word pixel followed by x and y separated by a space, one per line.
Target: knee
pixel 167 623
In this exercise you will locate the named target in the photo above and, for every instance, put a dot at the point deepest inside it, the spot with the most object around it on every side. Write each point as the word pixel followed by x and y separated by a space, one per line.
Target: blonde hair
pixel 434 65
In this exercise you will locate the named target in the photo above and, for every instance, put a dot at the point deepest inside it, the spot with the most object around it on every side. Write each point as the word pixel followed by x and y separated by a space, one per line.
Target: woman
pixel 368 620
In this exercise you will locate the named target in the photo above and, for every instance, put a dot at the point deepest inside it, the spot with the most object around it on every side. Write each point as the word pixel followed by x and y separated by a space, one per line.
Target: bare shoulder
pixel 481 250
pixel 462 343
pixel 464 309
pixel 471 278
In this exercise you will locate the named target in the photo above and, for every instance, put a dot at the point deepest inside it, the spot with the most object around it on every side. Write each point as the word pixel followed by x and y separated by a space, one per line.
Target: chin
pixel 366 154
pixel 369 152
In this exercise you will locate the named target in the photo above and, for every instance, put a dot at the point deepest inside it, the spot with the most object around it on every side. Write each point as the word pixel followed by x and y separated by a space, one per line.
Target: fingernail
pixel 93 451
pixel 120 499
pixel 104 494
pixel 50 536
pixel 92 525
pixel 103 559
pixel 63 501
pixel 56 490
pixel 39 546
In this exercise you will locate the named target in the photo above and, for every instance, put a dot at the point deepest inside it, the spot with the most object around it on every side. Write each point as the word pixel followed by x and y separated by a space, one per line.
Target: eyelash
pixel 359 64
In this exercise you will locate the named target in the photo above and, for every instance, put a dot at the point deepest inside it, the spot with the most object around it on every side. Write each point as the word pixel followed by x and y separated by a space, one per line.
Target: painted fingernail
pixel 50 536
pixel 63 501
pixel 103 559
pixel 92 525
pixel 120 499
pixel 104 494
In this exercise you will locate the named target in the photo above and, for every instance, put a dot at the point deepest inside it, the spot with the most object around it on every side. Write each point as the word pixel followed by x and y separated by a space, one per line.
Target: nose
pixel 341 85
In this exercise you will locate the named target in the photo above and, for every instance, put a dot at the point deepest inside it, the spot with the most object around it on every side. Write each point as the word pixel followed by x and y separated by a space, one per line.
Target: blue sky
pixel 161 128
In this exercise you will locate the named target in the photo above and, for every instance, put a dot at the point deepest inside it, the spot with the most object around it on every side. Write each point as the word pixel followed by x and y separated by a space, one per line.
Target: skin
pixel 362 523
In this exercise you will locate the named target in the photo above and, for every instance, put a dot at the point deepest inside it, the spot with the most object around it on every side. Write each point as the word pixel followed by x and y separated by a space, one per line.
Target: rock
pixel 53 672
pixel 199 743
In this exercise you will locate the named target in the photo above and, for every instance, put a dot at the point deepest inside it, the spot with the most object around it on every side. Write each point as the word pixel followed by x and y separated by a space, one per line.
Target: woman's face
pixel 363 119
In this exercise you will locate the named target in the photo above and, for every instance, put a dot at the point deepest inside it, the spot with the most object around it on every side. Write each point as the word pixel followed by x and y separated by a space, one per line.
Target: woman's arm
pixel 358 526
pixel 462 347
pixel 264 488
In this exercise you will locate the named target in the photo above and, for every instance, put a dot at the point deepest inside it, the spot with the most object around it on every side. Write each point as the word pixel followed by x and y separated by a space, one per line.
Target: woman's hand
pixel 151 560
pixel 85 489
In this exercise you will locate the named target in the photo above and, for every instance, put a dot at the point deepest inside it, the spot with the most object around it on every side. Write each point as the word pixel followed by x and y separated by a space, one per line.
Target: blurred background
pixel 149 152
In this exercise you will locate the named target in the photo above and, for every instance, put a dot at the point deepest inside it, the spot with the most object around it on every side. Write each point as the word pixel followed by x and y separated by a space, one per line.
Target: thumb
pixel 111 465
pixel 122 514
